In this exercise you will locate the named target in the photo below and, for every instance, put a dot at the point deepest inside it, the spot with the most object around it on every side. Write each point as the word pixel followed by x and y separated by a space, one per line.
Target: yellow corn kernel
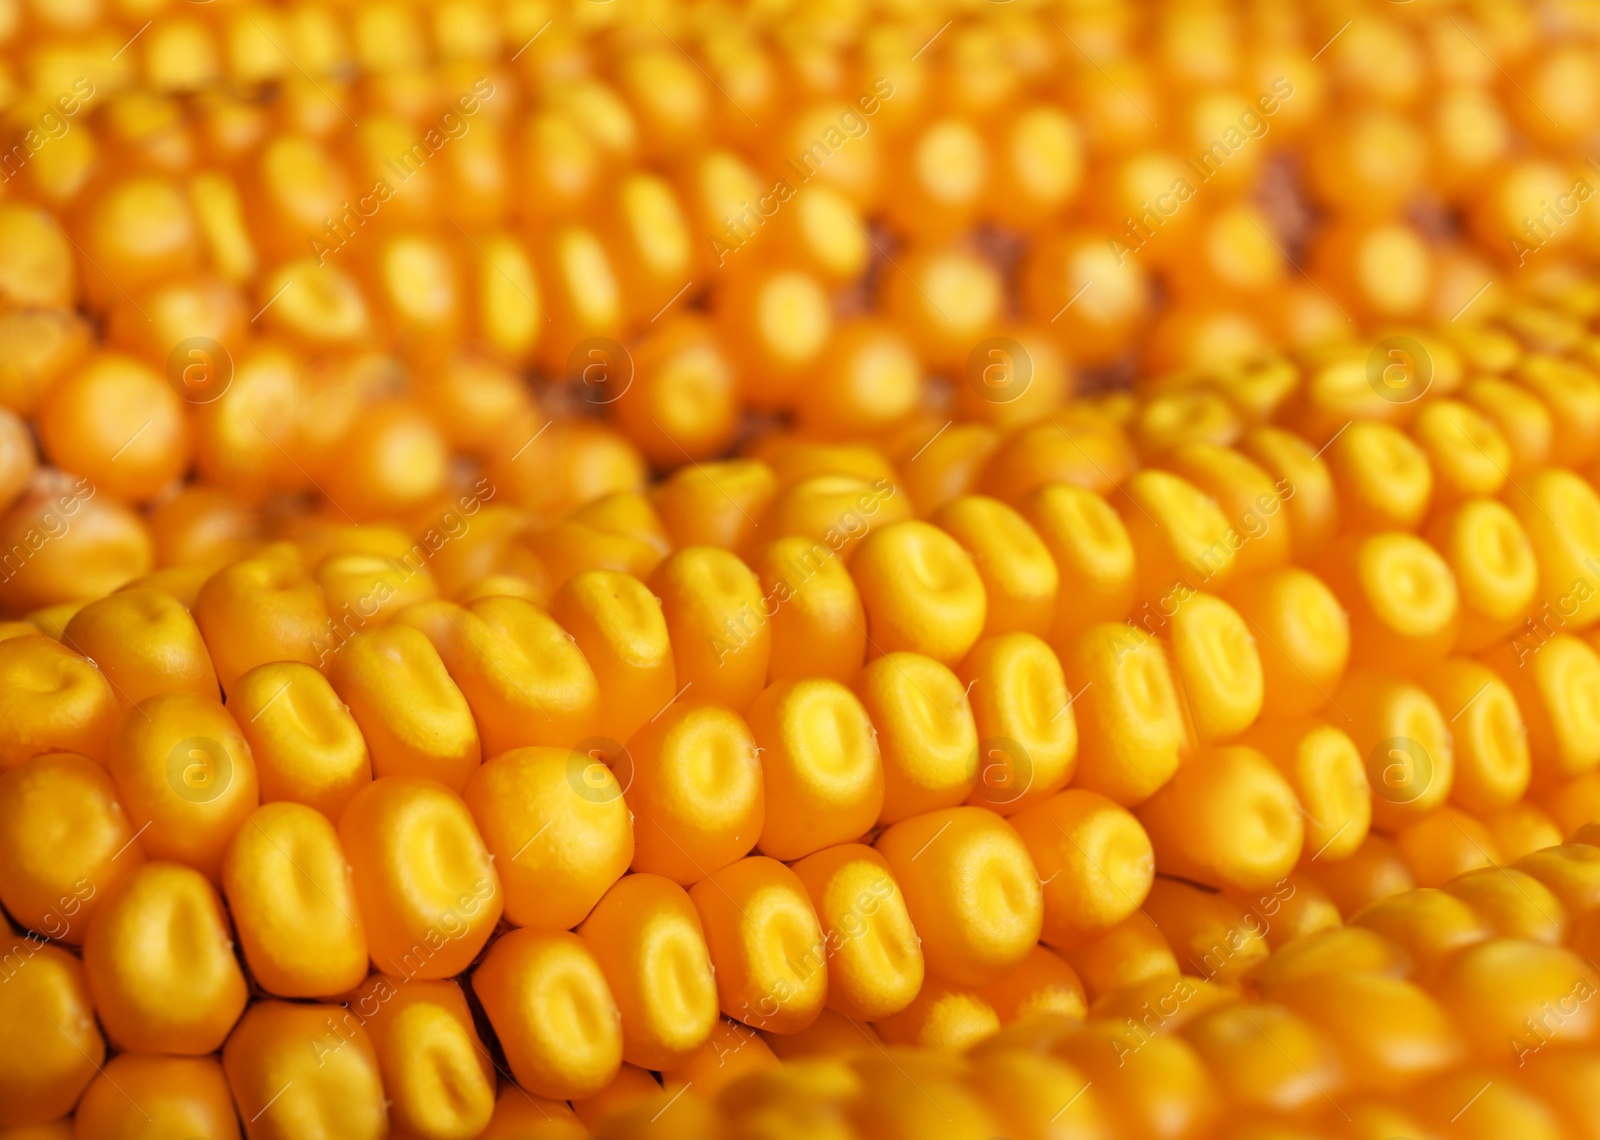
pixel 1180 537
pixel 1151 1082
pixel 439 1079
pixel 555 822
pixel 286 1090
pixel 1328 777
pixel 1302 636
pixel 921 591
pixel 1228 818
pixel 1572 394
pixel 971 938
pixel 51 700
pixel 159 958
pixel 926 734
pixel 1313 509
pixel 186 776
pixel 717 623
pixel 1094 861
pixel 1493 563
pixel 819 627
pixel 522 1116
pixel 1266 1058
pixel 145 643
pixel 1019 576
pixel 821 763
pixel 1250 499
pixel 1041 984
pixel 1131 730
pixel 874 955
pixel 524 679
pixel 1214 936
pixel 1556 683
pixel 65 841
pixel 1491 741
pixel 1521 829
pixel 1028 735
pixel 1571 871
pixel 306 746
pixel 1443 844
pixel 290 894
pixel 1521 418
pixel 1401 597
pixel 1513 903
pixel 1494 990
pixel 1561 515
pixel 1215 658
pixel 696 793
pixel 646 936
pixel 766 944
pixel 46 1070
pixel 732 1051
pixel 1405 740
pixel 425 884
pixel 619 627
pixel 942 1018
pixel 181 1094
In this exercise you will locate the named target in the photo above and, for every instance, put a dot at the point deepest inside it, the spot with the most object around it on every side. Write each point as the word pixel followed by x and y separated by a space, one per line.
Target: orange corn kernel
pixel 45 1070
pixel 51 700
pixel 524 679
pixel 717 623
pixel 1218 667
pixel 1028 735
pixel 1492 765
pixel 259 610
pixel 90 424
pixel 521 1116
pixel 177 990
pixel 1302 635
pixel 424 882
pixel 1313 509
pixel 305 744
pixel 181 1095
pixel 1019 576
pixel 555 822
pixel 1509 997
pixel 764 980
pixel 1443 844
pixel 697 792
pixel 1561 514
pixel 1405 741
pixel 65 841
pixel 925 733
pixel 1150 1082
pixel 619 627
pixel 304 1072
pixel 145 643
pixel 819 627
pixel 413 718
pixel 646 935
pixel 183 768
pixel 1214 936
pixel 1131 729
pixel 715 504
pixel 437 1076
pixel 1266 1057
pixel 942 1018
pixel 1181 539
pixel 1041 984
pixel 290 893
pixel 822 764
pixel 875 965
pixel 527 973
pixel 966 940
pixel 1328 777
pixel 1554 682
pixel 1095 863
pixel 1493 563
